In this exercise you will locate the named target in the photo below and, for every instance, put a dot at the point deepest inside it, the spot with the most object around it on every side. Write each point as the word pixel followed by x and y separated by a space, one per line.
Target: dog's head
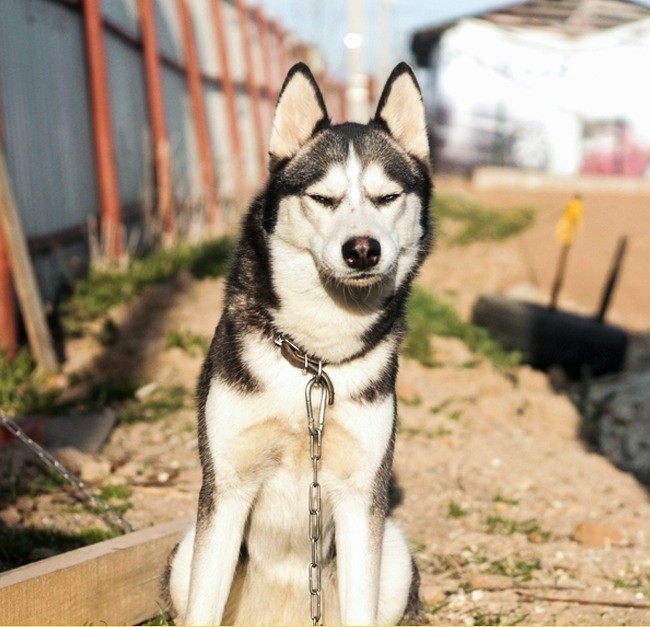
pixel 355 197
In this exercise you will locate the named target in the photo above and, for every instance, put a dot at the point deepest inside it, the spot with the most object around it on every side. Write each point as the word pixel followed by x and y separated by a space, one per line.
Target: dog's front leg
pixel 358 547
pixel 217 543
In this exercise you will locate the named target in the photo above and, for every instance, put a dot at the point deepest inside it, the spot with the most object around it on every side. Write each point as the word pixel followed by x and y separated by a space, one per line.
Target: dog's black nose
pixel 361 253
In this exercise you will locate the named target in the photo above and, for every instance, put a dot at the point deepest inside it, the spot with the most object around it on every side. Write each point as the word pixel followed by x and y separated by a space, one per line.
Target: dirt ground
pixel 512 518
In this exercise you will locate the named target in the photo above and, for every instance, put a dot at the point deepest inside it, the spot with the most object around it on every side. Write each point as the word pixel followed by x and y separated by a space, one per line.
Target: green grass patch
pixel 455 510
pixel 429 316
pixel 193 344
pixel 519 569
pixel 13 485
pixel 507 526
pixel 462 221
pixel 23 388
pixel 104 288
pixel 159 404
pixel 17 544
pixel 117 496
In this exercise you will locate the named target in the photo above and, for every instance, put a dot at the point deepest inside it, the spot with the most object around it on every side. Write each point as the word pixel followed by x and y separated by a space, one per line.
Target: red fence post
pixel 263 30
pixel 8 323
pixel 281 45
pixel 8 320
pixel 252 85
pixel 230 97
pixel 156 102
pixel 201 127
pixel 111 219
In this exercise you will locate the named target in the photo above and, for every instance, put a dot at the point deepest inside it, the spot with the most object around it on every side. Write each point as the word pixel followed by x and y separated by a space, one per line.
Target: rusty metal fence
pixel 124 120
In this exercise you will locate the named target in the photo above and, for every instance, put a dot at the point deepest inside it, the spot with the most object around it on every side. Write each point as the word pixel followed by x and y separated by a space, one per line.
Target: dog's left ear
pixel 401 112
pixel 299 114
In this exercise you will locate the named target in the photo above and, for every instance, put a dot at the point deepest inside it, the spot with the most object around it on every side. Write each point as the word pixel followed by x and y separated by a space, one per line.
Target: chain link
pixel 315 429
pixel 110 515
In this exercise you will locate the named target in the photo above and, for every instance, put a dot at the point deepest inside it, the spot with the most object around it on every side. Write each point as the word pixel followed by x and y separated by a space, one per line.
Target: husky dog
pixel 319 283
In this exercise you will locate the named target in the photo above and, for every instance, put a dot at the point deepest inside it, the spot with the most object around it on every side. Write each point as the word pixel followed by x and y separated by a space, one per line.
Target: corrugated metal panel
pixel 124 13
pixel 186 170
pixel 46 115
pixel 170 39
pixel 215 106
pixel 203 22
pixel 260 76
pixel 132 135
pixel 249 143
pixel 235 41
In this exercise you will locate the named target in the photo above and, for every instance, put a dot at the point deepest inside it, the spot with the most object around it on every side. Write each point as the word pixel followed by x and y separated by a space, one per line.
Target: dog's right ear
pixel 299 114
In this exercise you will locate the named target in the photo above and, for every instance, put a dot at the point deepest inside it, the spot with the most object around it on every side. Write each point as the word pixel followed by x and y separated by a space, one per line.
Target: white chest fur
pixel 260 446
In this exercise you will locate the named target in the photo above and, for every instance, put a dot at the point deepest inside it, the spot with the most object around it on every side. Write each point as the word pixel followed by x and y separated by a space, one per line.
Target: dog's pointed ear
pixel 299 114
pixel 401 112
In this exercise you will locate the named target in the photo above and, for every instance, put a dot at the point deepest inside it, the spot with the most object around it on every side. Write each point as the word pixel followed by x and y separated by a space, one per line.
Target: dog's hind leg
pixel 176 580
pixel 398 580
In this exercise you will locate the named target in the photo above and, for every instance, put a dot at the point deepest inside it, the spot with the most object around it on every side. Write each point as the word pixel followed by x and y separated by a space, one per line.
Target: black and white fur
pixel 327 256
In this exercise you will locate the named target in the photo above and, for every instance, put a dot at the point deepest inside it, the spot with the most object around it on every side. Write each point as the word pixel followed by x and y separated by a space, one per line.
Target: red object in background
pixel 610 148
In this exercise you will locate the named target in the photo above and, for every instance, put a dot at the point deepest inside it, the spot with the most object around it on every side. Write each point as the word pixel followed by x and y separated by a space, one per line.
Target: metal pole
pixel 612 278
pixel 252 85
pixel 201 126
pixel 111 219
pixel 230 98
pixel 559 275
pixel 156 104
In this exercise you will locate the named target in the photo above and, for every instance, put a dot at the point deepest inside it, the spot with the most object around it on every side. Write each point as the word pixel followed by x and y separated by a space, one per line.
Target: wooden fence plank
pixel 114 582
pixel 24 278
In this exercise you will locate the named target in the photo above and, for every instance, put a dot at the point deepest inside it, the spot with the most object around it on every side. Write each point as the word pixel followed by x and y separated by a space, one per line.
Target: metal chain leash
pixel 315 428
pixel 108 513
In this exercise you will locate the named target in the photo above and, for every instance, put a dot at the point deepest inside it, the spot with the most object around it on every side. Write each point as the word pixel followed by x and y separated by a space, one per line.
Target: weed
pixel 23 388
pixel 428 316
pixel 157 405
pixel 189 342
pixel 521 569
pixel 432 610
pixel 507 526
pixel 455 510
pixel 117 496
pixel 499 498
pixel 479 617
pixel 636 582
pixel 162 620
pixel 472 222
pixel 436 409
pixel 439 432
pixel 455 415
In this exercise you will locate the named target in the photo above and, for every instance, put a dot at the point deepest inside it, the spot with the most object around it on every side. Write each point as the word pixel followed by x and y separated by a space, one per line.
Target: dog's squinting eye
pixel 387 199
pixel 323 200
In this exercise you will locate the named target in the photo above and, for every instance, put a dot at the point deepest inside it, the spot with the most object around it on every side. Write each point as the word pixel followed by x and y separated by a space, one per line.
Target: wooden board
pixel 22 271
pixel 112 583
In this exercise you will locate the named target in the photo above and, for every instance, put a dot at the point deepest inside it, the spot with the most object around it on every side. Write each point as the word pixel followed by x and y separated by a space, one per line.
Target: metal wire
pixel 111 516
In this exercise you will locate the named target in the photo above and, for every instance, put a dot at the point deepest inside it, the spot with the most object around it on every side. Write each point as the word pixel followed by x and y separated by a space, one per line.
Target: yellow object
pixel 570 222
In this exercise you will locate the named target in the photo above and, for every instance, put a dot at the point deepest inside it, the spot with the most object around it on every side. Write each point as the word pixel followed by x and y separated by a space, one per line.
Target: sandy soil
pixel 512 518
